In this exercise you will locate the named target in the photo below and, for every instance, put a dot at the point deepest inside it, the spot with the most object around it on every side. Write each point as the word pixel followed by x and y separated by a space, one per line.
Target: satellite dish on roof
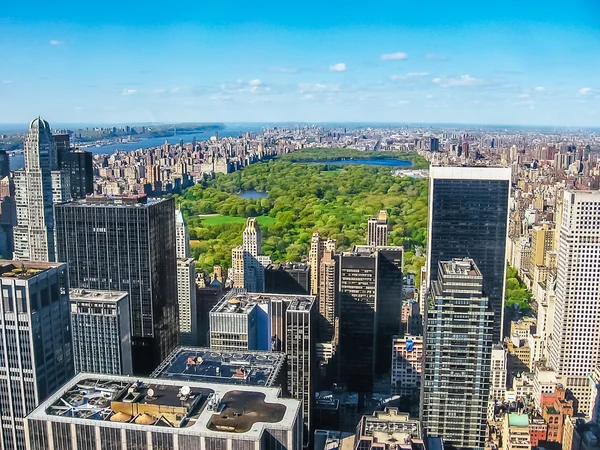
pixel 150 392
pixel 185 390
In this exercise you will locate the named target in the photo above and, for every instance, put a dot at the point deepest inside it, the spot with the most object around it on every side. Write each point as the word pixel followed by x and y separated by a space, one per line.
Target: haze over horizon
pixel 504 63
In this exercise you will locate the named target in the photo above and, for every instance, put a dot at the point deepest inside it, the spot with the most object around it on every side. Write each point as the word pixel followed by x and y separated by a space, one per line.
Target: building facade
pixel 36 355
pixel 458 348
pixel 468 217
pixel 186 300
pixel 101 330
pixel 37 187
pixel 377 229
pixel 575 343
pixel 407 365
pixel 127 244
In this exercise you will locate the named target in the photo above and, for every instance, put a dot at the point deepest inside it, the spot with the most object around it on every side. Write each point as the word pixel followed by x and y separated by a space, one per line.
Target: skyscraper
pixel 458 348
pixel 37 355
pixel 4 164
pixel 575 338
pixel 314 259
pixel 377 229
pixel 468 217
pixel 77 164
pixel 370 298
pixel 101 330
pixel 38 186
pixel 127 244
pixel 182 236
pixel 247 261
pixel 328 306
pixel 186 300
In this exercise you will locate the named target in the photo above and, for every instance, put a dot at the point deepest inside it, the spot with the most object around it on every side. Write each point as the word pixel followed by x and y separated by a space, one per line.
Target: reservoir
pixel 390 162
pixel 252 194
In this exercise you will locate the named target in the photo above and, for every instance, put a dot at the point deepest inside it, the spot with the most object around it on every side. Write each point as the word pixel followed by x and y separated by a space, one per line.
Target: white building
pixel 575 346
pixel 101 330
pixel 498 373
pixel 182 236
pixel 37 187
pixel 186 298
pixel 246 260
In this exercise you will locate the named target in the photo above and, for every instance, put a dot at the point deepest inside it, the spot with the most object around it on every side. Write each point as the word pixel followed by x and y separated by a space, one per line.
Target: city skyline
pixel 477 64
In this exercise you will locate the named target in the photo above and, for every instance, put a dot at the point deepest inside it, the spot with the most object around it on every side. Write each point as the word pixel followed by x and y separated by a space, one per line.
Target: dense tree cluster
pixel 329 154
pixel 335 200
pixel 516 291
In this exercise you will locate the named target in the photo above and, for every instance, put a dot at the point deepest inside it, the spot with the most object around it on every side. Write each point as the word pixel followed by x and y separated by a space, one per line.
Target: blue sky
pixel 510 62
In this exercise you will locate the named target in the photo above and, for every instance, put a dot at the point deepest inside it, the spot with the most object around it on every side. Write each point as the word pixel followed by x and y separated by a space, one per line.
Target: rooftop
pixel 518 420
pixel 301 267
pixel 117 201
pixel 24 269
pixel 238 301
pixel 458 266
pixel 195 408
pixel 252 368
pixel 96 295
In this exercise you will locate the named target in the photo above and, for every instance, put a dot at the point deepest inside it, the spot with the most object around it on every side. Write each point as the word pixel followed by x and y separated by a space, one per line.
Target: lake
pixel 252 194
pixel 390 162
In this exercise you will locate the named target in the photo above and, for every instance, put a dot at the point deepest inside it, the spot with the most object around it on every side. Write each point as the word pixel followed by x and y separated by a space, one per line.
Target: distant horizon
pixel 352 124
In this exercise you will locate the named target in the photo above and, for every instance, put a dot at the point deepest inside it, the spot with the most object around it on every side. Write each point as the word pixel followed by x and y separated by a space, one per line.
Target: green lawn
pixel 263 221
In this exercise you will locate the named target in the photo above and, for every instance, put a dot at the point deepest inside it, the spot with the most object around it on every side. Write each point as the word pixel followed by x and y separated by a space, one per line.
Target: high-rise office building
pixel 37 187
pixel 458 348
pixel 182 236
pixel 4 164
pixel 37 356
pixel 314 259
pixel 101 330
pixel 282 323
pixel 407 365
pixel 149 413
pixel 370 299
pixel 575 338
pixel 77 164
pixel 328 306
pixel 186 299
pixel 377 229
pixel 127 244
pixel 468 217
pixel 434 144
pixel 247 262
pixel 288 278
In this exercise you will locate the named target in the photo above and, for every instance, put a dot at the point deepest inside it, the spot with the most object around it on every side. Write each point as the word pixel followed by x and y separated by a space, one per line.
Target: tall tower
pixel 182 236
pixel 314 259
pixel 458 349
pixel 37 353
pixel 575 341
pixel 328 308
pixel 251 238
pixel 126 244
pixel 37 187
pixel 377 232
pixel 468 217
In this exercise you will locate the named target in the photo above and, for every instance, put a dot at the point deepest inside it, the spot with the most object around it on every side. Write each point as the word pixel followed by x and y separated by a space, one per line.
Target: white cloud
pixel 284 69
pixel 255 82
pixel 429 96
pixel 393 56
pixel 218 97
pixel 585 91
pixel 539 89
pixel 55 42
pixel 6 82
pixel 308 88
pixel 129 91
pixel 254 86
pixel 175 90
pixel 462 81
pixel 408 75
pixel 523 96
pixel 339 67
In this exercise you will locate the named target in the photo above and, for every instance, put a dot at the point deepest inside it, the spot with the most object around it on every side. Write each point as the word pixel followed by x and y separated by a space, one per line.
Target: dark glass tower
pixel 78 165
pixel 468 217
pixel 127 244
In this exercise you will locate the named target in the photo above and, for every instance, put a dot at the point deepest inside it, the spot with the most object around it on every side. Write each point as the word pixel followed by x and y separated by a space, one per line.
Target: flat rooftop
pixel 217 410
pixel 289 266
pixel 24 269
pixel 239 301
pixel 465 267
pixel 116 201
pixel 250 368
pixel 96 295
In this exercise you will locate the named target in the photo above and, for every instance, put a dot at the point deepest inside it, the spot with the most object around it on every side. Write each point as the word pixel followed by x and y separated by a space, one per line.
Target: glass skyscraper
pixel 468 217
